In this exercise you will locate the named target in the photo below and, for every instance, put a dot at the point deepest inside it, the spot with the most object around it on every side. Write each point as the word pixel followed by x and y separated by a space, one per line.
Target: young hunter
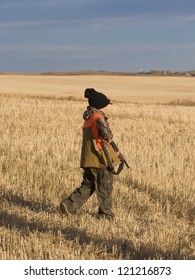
pixel 97 155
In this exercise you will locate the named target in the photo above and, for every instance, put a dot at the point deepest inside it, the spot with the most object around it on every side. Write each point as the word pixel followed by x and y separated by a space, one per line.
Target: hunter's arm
pixel 104 129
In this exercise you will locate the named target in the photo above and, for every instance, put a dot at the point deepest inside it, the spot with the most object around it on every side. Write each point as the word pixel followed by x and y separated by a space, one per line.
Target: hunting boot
pixel 102 215
pixel 65 207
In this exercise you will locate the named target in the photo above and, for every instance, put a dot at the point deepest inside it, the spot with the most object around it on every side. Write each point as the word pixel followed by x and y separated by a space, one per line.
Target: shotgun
pixel 120 156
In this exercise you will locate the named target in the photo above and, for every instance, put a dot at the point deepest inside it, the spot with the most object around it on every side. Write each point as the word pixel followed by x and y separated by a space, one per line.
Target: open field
pixel 121 88
pixel 39 164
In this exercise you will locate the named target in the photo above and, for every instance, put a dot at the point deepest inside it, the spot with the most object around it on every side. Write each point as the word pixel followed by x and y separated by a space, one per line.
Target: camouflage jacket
pixel 91 155
pixel 102 123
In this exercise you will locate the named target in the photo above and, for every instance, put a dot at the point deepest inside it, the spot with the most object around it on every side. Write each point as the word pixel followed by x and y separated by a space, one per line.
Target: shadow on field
pixel 120 248
pixel 15 199
pixel 115 248
pixel 13 221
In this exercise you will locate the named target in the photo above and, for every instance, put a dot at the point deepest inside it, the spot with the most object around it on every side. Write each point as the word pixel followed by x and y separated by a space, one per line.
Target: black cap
pixel 96 99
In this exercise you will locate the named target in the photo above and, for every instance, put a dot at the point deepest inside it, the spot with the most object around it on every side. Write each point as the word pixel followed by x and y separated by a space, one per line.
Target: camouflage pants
pixel 94 180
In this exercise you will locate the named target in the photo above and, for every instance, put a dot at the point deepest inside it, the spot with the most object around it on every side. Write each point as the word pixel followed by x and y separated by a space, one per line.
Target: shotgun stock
pixel 120 155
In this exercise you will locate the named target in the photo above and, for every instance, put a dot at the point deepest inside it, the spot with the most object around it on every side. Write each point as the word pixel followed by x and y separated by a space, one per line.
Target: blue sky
pixel 111 35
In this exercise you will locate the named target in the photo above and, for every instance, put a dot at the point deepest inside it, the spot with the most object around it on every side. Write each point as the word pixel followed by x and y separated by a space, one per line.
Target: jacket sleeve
pixel 104 129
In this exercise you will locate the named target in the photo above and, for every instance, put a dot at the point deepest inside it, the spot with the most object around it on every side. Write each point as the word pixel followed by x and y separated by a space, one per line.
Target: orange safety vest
pixel 91 122
pixel 92 152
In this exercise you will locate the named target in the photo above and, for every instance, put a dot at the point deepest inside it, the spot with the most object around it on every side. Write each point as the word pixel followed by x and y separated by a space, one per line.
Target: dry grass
pixel 39 161
pixel 122 88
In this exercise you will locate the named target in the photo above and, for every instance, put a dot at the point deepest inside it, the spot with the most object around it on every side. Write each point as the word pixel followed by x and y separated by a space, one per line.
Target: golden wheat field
pixel 40 136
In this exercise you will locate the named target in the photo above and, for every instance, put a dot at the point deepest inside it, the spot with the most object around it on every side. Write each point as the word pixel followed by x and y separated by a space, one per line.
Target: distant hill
pixel 140 73
pixel 102 72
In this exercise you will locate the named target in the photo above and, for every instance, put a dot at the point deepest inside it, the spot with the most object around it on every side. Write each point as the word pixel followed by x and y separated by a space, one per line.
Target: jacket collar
pixel 90 111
